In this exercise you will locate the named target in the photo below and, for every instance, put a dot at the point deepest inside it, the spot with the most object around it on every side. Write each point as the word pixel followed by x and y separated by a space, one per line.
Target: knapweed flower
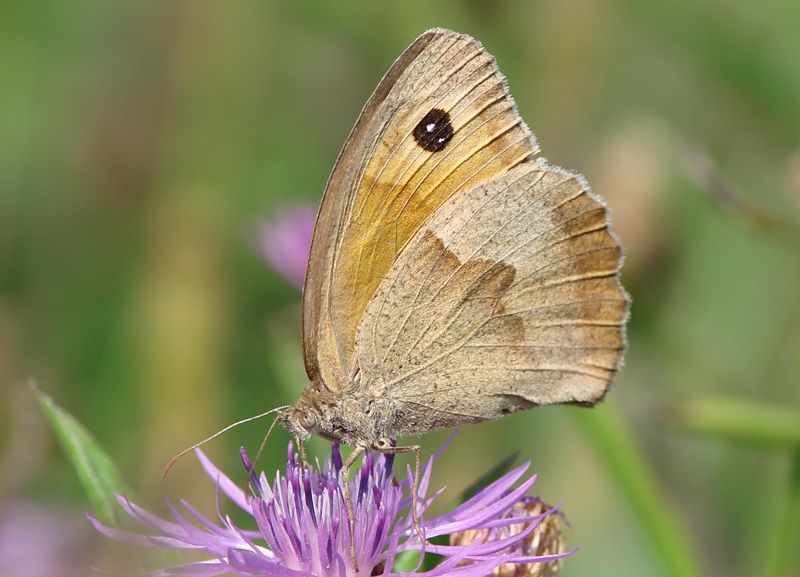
pixel 302 528
pixel 285 241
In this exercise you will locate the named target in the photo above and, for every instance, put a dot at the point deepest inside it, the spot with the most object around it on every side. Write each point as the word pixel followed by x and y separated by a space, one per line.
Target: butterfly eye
pixel 307 420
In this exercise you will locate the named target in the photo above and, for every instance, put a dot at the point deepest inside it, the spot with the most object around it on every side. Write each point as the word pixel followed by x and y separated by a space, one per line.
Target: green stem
pixel 606 430
pixel 739 420
pixel 783 559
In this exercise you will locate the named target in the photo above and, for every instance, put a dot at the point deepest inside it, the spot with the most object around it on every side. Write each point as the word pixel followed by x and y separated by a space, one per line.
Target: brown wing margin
pixel 335 200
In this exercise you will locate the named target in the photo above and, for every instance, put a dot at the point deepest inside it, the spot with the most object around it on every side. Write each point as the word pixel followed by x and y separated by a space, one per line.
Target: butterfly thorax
pixel 351 419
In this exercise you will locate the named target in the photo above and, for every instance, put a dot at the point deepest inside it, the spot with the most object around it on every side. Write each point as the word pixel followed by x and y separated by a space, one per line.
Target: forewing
pixel 439 122
pixel 507 298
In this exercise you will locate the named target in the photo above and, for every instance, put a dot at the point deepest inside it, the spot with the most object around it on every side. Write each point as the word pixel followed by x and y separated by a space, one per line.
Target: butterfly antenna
pixel 251 466
pixel 264 441
pixel 177 457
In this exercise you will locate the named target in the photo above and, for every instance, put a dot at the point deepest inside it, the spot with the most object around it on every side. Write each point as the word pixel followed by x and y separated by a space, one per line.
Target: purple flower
pixel 40 541
pixel 301 525
pixel 284 243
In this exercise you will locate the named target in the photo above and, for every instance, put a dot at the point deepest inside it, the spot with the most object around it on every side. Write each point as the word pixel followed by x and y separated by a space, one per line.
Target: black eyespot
pixel 434 131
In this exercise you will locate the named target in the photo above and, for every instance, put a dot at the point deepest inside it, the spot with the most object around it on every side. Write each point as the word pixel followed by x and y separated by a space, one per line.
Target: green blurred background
pixel 141 143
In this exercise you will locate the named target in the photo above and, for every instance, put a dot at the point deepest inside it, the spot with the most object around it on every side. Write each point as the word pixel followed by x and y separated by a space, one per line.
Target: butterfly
pixel 454 275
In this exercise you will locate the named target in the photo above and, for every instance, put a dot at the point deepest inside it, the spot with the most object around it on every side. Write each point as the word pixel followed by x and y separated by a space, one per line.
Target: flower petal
pixel 231 489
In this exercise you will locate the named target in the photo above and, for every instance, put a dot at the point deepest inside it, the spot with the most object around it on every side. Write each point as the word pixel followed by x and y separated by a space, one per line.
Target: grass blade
pixel 98 474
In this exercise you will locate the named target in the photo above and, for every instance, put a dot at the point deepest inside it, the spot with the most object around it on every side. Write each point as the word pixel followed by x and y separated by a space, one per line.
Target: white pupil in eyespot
pixel 430 127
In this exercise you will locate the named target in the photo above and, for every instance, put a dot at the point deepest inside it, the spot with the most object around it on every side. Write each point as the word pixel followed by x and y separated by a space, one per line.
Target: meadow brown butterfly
pixel 454 277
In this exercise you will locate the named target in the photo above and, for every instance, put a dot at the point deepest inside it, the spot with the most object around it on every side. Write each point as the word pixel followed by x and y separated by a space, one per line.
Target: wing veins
pixel 435 264
pixel 457 345
pixel 538 346
pixel 419 151
pixel 480 277
pixel 447 155
pixel 405 138
pixel 528 241
pixel 392 154
pixel 551 369
pixel 443 59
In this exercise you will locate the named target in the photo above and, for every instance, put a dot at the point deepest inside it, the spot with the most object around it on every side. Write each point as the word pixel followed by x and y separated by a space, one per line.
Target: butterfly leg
pixel 344 481
pixel 387 448
pixel 301 451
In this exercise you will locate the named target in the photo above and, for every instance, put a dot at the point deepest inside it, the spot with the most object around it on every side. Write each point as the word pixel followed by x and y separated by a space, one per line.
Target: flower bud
pixel 546 539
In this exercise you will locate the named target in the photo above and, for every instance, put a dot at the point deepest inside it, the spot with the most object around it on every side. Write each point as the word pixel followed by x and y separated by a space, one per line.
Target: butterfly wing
pixel 440 121
pixel 507 298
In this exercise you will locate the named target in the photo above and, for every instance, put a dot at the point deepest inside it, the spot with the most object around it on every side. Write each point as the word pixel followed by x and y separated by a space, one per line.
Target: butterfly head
pixel 299 420
pixel 311 414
